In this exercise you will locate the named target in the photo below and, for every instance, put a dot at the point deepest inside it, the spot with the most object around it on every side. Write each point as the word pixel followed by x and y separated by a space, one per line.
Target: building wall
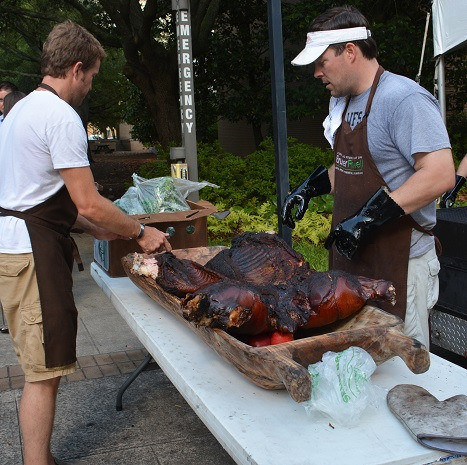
pixel 127 142
pixel 237 138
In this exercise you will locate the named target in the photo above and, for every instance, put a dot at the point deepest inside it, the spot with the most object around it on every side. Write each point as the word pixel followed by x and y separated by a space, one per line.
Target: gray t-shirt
pixel 404 119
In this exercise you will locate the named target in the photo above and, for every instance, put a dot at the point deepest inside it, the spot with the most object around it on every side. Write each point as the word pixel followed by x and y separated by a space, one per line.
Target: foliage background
pixel 138 81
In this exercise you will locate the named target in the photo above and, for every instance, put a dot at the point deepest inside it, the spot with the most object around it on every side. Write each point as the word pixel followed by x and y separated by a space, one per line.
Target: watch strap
pixel 141 231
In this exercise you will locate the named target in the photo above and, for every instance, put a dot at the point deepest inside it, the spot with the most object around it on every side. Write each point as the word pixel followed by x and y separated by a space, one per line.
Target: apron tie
pixel 76 255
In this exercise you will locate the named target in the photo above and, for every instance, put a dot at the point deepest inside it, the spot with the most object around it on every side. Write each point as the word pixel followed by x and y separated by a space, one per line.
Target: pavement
pixel 156 425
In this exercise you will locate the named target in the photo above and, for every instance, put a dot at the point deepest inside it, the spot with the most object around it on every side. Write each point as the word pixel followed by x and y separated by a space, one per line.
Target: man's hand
pixel 154 240
pixel 351 232
pixel 448 199
pixel 289 203
pixel 318 183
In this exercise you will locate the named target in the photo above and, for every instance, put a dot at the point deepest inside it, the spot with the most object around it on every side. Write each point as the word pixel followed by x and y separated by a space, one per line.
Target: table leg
pixel 130 379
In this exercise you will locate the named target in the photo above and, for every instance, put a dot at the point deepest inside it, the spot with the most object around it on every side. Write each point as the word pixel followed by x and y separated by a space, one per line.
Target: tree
pixel 231 57
pixel 146 34
pixel 234 70
pixel 24 26
pixel 144 31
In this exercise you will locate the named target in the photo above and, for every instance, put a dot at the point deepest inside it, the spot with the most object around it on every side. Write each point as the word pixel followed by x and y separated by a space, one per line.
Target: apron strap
pixel 438 245
pixel 373 90
pixel 378 74
pixel 33 219
pixel 77 256
pixel 49 88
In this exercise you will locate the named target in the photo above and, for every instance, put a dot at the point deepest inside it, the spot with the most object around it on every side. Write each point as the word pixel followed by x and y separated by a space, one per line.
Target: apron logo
pixel 349 164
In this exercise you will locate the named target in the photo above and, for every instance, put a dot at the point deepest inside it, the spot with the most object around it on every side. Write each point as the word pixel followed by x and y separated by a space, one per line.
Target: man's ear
pixel 77 67
pixel 351 51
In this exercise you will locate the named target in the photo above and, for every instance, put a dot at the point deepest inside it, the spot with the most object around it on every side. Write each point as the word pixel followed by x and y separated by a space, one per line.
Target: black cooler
pixel 449 317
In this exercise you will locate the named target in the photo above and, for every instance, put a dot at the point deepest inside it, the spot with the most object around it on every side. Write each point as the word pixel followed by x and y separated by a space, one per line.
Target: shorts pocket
pixel 433 283
pixel 33 334
pixel 13 267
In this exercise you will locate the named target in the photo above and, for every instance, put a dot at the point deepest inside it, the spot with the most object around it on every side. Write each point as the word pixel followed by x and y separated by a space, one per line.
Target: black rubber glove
pixel 317 183
pixel 350 233
pixel 448 199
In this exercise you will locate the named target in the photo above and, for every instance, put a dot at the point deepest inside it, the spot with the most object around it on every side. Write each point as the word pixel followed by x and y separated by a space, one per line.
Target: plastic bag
pixel 164 194
pixel 186 187
pixel 159 195
pixel 341 386
pixel 129 202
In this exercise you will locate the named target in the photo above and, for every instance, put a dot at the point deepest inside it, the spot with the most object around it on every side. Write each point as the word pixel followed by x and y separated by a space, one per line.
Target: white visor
pixel 317 42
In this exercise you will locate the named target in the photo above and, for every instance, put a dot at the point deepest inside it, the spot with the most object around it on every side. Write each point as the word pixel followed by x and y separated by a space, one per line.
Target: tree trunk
pixel 257 134
pixel 159 86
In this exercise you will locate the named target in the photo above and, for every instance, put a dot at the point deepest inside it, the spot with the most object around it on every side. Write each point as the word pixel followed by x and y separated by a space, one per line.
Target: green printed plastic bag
pixel 342 387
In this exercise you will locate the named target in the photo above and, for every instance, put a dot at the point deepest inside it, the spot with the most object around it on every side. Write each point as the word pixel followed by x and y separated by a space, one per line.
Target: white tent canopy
pixel 449 25
pixel 449 32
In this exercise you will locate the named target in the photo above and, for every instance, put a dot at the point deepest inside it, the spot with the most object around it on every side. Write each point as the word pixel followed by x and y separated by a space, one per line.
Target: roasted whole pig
pixel 261 285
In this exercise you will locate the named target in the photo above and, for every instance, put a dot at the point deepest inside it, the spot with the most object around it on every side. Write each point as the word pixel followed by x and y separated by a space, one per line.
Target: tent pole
pixel 442 87
pixel 427 22
pixel 279 110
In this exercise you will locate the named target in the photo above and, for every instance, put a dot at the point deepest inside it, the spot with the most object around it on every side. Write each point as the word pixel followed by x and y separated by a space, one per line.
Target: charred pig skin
pixel 336 295
pixel 261 259
pixel 176 276
pixel 234 307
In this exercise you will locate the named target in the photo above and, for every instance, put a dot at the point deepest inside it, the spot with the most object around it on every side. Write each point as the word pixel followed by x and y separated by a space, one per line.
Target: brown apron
pixel 386 254
pixel 53 248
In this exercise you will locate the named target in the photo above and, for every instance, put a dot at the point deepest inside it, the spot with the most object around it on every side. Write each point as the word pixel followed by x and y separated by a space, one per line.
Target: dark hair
pixel 342 17
pixel 7 85
pixel 11 99
pixel 67 44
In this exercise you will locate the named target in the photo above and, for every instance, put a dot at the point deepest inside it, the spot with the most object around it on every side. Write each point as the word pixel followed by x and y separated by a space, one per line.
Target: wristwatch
pixel 141 231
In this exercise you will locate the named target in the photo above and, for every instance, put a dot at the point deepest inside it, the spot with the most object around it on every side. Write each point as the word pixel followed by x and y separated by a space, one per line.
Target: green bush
pixel 154 169
pixel 316 255
pixel 312 229
pixel 251 181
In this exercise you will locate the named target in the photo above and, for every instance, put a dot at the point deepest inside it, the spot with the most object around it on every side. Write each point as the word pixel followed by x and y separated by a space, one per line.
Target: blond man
pixel 46 189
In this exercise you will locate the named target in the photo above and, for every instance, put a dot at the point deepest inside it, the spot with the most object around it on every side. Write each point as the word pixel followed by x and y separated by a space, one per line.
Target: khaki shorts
pixel 19 296
pixel 422 295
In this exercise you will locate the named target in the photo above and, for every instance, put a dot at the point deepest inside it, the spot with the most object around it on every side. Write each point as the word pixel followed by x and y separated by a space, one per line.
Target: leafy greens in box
pixel 158 195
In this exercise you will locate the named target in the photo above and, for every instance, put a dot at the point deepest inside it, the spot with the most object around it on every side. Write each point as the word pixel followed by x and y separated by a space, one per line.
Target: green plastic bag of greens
pixel 157 195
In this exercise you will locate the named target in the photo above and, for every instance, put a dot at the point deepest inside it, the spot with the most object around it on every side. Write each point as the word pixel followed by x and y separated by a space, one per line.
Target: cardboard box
pixel 187 229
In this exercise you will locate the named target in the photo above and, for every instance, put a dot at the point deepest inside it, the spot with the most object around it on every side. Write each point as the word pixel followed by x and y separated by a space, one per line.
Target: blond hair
pixel 67 44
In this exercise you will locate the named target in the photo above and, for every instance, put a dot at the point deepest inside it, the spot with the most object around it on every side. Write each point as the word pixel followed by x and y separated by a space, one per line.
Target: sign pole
pixel 187 92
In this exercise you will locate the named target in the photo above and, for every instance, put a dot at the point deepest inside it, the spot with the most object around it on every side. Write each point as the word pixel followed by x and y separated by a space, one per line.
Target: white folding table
pixel 258 426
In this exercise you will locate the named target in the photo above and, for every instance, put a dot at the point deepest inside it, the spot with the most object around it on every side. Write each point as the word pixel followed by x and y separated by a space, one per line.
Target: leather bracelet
pixel 141 231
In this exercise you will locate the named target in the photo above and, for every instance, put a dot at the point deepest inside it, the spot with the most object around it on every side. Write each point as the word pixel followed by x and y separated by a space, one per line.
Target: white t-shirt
pixel 41 135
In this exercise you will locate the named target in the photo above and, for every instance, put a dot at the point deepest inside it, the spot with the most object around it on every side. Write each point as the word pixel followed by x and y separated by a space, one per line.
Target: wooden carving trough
pixel 285 365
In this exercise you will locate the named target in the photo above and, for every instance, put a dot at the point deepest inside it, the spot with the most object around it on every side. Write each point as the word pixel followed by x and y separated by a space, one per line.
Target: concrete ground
pixel 156 425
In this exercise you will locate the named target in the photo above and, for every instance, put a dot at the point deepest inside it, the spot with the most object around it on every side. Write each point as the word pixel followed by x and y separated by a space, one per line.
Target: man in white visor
pixel 392 160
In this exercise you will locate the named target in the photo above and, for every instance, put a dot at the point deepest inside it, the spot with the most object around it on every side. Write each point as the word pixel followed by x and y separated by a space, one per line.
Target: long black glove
pixel 448 199
pixel 317 183
pixel 350 233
